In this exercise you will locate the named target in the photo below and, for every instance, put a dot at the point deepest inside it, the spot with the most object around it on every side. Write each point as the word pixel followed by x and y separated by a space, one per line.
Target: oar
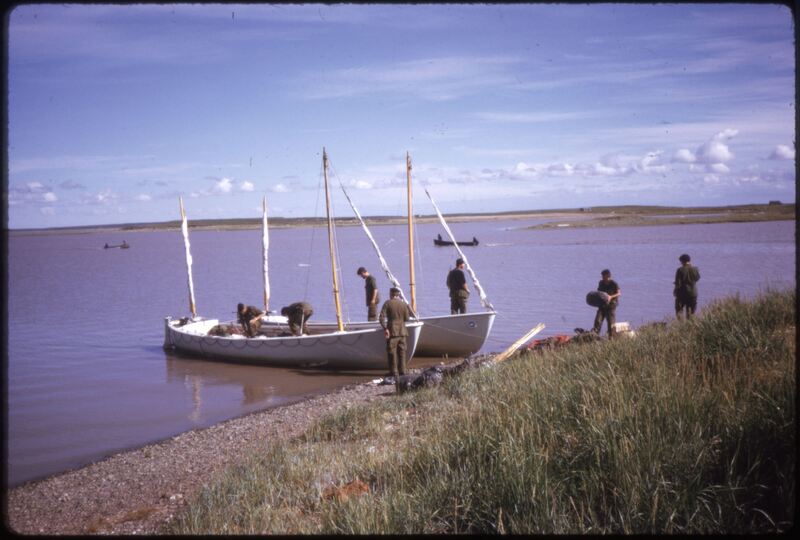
pixel 519 343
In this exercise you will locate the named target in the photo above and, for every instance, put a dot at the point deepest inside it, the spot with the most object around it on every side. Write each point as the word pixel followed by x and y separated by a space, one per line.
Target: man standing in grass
pixel 394 314
pixel 685 291
pixel 609 310
pixel 371 287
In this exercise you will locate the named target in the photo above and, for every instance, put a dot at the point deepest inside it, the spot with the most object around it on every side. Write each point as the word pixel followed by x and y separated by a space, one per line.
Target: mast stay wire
pixel 313 236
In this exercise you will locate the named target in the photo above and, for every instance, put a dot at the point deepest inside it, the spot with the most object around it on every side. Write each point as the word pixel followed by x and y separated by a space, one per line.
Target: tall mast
pixel 411 284
pixel 330 243
pixel 185 231
pixel 264 253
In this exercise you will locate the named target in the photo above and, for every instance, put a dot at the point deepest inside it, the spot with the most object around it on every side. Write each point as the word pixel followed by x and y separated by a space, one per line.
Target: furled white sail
pixel 481 292
pixel 185 231
pixel 265 253
pixel 384 264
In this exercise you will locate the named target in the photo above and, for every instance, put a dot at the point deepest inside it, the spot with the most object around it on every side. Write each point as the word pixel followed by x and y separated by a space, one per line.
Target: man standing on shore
pixel 394 314
pixel 608 311
pixel 685 291
pixel 371 287
pixel 459 292
pixel 250 319
pixel 298 315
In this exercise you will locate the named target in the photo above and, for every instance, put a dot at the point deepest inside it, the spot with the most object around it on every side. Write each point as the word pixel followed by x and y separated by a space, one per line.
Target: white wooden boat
pixel 351 349
pixel 326 346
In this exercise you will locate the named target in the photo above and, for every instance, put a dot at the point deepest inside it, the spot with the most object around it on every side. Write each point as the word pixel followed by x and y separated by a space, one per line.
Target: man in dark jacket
pixel 459 292
pixel 608 311
pixel 298 315
pixel 371 288
pixel 685 291
pixel 250 319
pixel 394 314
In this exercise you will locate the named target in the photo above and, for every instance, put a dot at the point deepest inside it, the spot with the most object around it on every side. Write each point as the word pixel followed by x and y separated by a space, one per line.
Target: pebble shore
pixel 140 491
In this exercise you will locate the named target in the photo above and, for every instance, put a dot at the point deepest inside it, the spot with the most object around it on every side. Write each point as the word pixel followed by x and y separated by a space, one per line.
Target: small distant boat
pixel 441 242
pixel 123 245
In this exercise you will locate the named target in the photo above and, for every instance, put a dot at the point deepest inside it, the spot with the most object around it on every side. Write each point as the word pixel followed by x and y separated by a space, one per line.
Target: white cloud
pixel 782 152
pixel 49 197
pixel 715 150
pixel 719 168
pixel 47 211
pixel 684 155
pixel 224 185
pixel 247 186
pixel 144 197
pixel 279 188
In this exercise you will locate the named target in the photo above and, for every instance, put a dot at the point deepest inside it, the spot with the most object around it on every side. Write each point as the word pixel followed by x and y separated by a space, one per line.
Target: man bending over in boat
pixel 298 315
pixel 249 318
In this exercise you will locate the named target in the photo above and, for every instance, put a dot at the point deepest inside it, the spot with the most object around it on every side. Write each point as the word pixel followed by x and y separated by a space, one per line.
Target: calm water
pixel 87 375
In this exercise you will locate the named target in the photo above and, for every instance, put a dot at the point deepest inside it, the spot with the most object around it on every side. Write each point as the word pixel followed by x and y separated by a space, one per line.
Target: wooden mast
pixel 330 243
pixel 411 285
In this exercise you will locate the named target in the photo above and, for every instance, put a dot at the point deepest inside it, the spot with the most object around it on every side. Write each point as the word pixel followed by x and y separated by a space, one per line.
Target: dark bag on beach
pixel 597 299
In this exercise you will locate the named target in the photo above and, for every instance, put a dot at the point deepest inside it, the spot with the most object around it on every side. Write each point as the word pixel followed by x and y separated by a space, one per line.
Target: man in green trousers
pixel 394 314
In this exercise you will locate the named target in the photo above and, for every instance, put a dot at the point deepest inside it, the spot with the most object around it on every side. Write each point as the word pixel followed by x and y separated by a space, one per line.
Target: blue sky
pixel 117 110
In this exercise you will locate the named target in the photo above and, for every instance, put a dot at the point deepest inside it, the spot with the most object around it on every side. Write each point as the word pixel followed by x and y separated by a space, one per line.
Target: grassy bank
pixel 689 428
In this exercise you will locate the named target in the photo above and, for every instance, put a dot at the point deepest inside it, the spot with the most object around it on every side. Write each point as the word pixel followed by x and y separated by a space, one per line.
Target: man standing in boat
pixel 371 287
pixel 685 292
pixel 249 318
pixel 459 292
pixel 394 314
pixel 298 315
pixel 609 310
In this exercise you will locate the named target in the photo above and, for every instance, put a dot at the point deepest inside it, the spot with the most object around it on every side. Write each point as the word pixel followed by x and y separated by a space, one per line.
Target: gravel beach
pixel 139 491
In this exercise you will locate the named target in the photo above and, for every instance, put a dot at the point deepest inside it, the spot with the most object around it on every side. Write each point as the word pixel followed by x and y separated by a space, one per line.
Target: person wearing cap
pixel 685 291
pixel 371 287
pixel 394 314
pixel 250 318
pixel 298 315
pixel 459 292
pixel 608 311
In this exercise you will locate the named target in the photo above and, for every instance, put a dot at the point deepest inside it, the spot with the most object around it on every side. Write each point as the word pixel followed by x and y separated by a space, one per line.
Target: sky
pixel 116 111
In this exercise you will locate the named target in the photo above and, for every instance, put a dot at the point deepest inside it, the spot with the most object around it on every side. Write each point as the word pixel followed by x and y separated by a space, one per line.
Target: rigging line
pixel 313 235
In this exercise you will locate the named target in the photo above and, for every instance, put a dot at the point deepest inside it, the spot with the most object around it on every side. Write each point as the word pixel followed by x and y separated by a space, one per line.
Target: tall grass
pixel 689 428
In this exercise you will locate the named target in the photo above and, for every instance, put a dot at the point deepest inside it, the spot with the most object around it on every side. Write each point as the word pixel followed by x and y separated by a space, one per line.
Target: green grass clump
pixel 689 428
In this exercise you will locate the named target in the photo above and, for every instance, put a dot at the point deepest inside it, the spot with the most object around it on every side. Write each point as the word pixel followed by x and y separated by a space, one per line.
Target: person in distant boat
pixel 608 311
pixel 250 319
pixel 106 246
pixel 459 292
pixel 371 287
pixel 394 314
pixel 439 237
pixel 685 291
pixel 298 315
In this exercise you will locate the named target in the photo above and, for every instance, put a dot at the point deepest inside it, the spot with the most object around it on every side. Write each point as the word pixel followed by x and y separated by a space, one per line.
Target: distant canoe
pixel 123 245
pixel 439 242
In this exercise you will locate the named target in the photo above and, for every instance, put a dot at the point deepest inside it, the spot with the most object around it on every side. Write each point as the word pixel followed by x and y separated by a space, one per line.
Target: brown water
pixel 87 376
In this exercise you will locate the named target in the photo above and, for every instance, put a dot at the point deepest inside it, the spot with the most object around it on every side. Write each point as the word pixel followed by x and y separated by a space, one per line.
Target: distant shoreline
pixel 605 216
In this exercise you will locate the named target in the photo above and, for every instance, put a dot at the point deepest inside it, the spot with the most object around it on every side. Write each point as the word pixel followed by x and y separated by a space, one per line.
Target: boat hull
pixel 455 335
pixel 443 335
pixel 352 349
